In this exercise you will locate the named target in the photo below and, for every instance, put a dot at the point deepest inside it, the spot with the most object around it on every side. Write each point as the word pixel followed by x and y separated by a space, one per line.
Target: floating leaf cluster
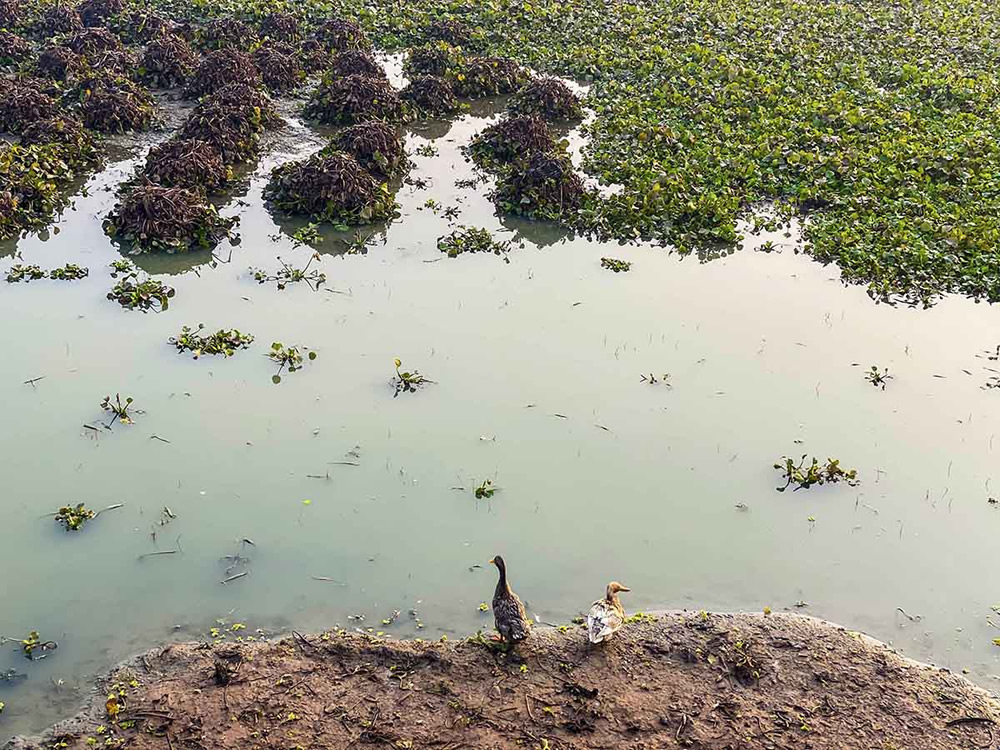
pixel 289 358
pixel 19 272
pixel 69 272
pixel 72 518
pixel 471 240
pixel 353 99
pixel 549 98
pixel 224 341
pixel 804 476
pixel 407 381
pixel 616 265
pixel 136 293
pixel 289 274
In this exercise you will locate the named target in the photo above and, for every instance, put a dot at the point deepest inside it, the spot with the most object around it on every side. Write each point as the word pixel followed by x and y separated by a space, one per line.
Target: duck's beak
pixel 624 588
pixel 493 561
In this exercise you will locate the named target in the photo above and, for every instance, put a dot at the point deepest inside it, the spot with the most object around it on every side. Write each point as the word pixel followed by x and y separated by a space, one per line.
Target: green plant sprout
pixel 288 274
pixel 804 477
pixel 119 411
pixel 289 358
pixel 408 382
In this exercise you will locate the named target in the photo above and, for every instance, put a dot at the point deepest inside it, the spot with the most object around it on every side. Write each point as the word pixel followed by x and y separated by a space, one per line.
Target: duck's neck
pixel 612 598
pixel 502 587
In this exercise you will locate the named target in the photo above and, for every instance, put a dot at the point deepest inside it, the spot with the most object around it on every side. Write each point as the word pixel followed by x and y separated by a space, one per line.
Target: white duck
pixel 606 615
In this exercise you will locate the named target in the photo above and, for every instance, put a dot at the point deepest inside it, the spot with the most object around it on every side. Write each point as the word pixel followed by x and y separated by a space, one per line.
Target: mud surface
pixel 679 680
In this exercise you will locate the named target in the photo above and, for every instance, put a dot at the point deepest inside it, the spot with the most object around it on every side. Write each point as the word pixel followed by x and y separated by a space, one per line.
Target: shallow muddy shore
pixel 672 680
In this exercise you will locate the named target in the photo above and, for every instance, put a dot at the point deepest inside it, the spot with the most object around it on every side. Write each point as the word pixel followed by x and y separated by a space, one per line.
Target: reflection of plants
pixel 804 477
pixel 289 358
pixel 485 490
pixel 73 518
pixel 613 264
pixel 288 274
pixel 877 377
pixel 19 272
pixel 149 294
pixel 223 341
pixel 119 410
pixel 408 382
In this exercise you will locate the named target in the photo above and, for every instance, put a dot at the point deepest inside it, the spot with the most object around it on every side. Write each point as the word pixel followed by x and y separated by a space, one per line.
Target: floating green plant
pixel 878 377
pixel 120 410
pixel 613 264
pixel 121 266
pixel 73 518
pixel 485 490
pixel 288 274
pixel 804 477
pixel 34 643
pixel 308 235
pixel 289 358
pixel 147 294
pixel 407 382
pixel 471 240
pixel 224 341
pixel 69 272
pixel 18 273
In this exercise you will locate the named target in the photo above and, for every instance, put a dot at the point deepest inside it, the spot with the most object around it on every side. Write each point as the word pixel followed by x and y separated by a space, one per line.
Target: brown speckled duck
pixel 606 615
pixel 508 611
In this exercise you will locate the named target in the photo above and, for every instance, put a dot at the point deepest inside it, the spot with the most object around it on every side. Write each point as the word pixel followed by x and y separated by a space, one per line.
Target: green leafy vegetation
pixel 288 274
pixel 73 518
pixel 406 381
pixel 471 240
pixel 549 98
pixel 804 477
pixel 878 377
pixel 120 410
pixel 136 292
pixel 152 218
pixel 289 358
pixel 485 490
pixel 19 272
pixel 224 341
pixel 616 265
pixel 69 272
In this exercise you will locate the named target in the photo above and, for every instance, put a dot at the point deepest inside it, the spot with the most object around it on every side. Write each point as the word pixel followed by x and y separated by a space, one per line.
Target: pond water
pixel 359 503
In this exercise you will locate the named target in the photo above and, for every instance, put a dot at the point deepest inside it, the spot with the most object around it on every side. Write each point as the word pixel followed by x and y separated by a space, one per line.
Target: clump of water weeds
pixel 478 77
pixel 543 187
pixel 99 12
pixel 68 132
pixel 58 19
pixel 69 272
pixel 430 96
pixel 10 14
pixel 549 98
pixel 511 139
pixel 471 240
pixel 33 178
pixel 437 59
pixel 168 61
pixel 485 490
pixel 22 103
pixel 616 265
pixel 313 55
pixel 14 49
pixel 354 99
pixel 289 274
pixel 354 62
pixel 376 146
pixel 226 33
pixel 116 105
pixel 280 26
pixel 224 341
pixel 406 381
pixel 91 41
pixel 451 31
pixel 192 164
pixel 288 357
pixel 878 377
pixel 121 411
pixel 233 131
pixel 329 187
pixel 34 643
pixel 340 34
pixel 222 67
pixel 58 63
pixel 154 218
pixel 19 272
pixel 804 477
pixel 73 518
pixel 278 66
pixel 140 292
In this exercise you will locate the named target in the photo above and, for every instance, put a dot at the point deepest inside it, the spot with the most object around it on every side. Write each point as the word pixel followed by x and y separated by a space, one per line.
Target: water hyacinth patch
pixel 549 98
pixel 471 240
pixel 430 96
pixel 152 218
pixel 136 293
pixel 804 477
pixel 289 358
pixel 73 518
pixel 288 274
pixel 69 272
pixel 354 99
pixel 542 187
pixel 224 341
pixel 168 61
pixel 19 272
pixel 616 265
pixel 511 139
pixel 376 146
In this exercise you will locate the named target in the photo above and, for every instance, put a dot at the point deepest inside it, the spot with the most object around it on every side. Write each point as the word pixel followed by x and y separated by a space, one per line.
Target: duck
pixel 508 611
pixel 606 615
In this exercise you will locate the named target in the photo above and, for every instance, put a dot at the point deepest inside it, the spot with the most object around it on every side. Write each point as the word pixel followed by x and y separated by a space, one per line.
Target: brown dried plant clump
pixel 58 63
pixel 544 186
pixel 431 95
pixel 478 77
pixel 232 128
pixel 221 67
pixel 10 14
pixel 14 49
pixel 511 139
pixel 279 70
pixel 143 26
pixel 329 187
pixel 58 19
pixel 22 103
pixel 252 101
pixel 354 99
pixel 354 62
pixel 341 34
pixel 435 59
pixel 376 146
pixel 98 12
pixel 280 26
pixel 116 105
pixel 227 33
pixel 549 98
pixel 154 218
pixel 194 165
pixel 90 41
pixel 313 55
pixel 168 61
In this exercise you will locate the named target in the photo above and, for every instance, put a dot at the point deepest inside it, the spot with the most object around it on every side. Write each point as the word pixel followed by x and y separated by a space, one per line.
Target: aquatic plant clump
pixel 618 266
pixel 168 61
pixel 435 59
pixel 804 477
pixel 118 106
pixel 19 272
pixel 549 98
pixel 98 12
pixel 354 99
pixel 543 187
pixel 252 101
pixel 511 139
pixel 289 274
pixel 171 219
pixel 33 177
pixel 340 34
pixel 431 96
pixel 67 132
pixel 376 146
pixel 58 63
pixel 22 103
pixel 478 77
pixel 92 41
pixel 280 26
pixel 471 240
pixel 10 14
pixel 222 67
pixel 135 293
pixel 329 187
pixel 406 381
pixel 313 55
pixel 192 164
pixel 451 31
pixel 58 19
pixel 279 71
pixel 224 341
pixel 69 272
pixel 353 63
pixel 291 358
pixel 226 33
pixel 14 49
pixel 73 518
pixel 231 129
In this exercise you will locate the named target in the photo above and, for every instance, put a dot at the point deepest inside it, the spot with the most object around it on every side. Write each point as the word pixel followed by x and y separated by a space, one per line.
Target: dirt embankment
pixel 683 680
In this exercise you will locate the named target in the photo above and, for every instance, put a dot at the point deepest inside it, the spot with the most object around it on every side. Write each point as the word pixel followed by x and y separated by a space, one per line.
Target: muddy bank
pixel 677 680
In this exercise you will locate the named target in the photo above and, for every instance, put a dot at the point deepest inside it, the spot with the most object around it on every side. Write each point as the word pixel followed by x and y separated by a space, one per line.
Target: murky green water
pixel 538 366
